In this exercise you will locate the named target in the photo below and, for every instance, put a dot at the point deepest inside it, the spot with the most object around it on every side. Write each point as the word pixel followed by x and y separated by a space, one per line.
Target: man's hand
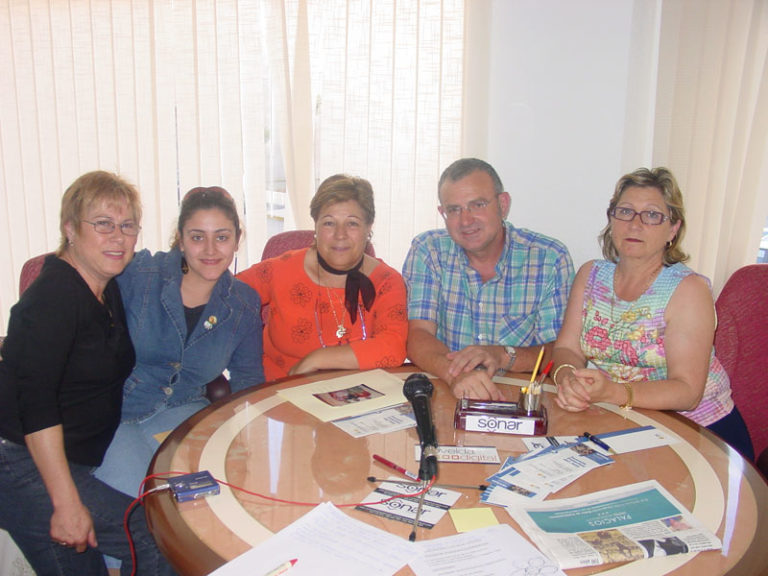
pixel 475 384
pixel 471 358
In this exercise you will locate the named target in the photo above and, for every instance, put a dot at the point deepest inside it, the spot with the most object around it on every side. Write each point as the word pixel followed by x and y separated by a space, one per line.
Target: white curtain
pixel 711 125
pixel 176 94
pixel 168 94
pixel 372 88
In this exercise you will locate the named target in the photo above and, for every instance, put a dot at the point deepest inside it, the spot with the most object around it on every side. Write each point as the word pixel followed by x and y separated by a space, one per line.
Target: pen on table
pixel 599 442
pixel 480 487
pixel 282 569
pixel 394 466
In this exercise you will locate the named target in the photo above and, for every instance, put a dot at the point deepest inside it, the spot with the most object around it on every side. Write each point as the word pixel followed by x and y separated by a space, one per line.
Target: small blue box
pixel 193 486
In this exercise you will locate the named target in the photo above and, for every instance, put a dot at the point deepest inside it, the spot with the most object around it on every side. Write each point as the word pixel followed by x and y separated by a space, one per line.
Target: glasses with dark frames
pixel 650 217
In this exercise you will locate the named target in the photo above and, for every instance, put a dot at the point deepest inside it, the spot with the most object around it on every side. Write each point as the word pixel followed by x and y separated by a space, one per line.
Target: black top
pixel 65 360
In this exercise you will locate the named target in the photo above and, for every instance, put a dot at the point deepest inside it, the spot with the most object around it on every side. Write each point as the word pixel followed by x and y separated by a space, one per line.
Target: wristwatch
pixel 512 353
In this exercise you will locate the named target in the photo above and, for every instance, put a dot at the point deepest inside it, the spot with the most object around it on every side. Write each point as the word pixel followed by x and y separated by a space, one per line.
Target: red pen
pixel 394 466
pixel 543 375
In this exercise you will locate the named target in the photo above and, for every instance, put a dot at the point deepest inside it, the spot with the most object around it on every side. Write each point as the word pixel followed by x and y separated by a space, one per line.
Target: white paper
pixel 492 551
pixel 437 501
pixel 620 441
pixel 355 394
pixel 463 454
pixel 379 422
pixel 326 542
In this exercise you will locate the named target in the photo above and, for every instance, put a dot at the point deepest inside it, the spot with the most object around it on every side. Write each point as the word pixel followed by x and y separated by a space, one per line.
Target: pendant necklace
pixel 340 328
pixel 648 284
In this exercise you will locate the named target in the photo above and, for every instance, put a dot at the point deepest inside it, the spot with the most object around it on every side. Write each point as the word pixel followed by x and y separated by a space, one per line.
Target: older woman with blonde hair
pixel 332 305
pixel 644 319
pixel 63 366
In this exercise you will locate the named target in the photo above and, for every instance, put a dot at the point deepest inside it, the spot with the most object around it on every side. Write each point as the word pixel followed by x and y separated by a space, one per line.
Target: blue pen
pixel 599 442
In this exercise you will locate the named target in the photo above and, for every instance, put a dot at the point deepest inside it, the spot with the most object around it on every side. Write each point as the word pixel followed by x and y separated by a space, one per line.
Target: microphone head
pixel 417 385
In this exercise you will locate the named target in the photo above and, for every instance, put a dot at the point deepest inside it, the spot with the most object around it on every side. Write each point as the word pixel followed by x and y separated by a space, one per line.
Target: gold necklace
pixel 341 330
pixel 649 282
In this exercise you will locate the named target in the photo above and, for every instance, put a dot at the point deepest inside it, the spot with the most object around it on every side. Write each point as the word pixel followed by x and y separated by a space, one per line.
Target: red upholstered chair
pixel 215 389
pixel 293 240
pixel 741 344
pixel 30 271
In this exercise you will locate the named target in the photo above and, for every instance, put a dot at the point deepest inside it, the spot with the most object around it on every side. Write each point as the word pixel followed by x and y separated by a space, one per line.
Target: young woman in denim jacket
pixel 189 320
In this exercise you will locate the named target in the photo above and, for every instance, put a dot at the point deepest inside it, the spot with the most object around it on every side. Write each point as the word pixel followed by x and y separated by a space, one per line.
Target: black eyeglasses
pixel 650 217
pixel 108 226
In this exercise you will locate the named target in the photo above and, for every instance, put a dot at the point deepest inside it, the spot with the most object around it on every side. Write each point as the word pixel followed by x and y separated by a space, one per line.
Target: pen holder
pixel 499 417
pixel 529 402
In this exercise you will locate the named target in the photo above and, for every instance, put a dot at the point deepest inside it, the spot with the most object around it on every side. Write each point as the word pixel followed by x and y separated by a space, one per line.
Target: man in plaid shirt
pixel 483 296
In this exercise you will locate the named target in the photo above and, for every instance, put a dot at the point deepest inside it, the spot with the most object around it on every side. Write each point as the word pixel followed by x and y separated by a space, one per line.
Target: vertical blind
pixel 177 94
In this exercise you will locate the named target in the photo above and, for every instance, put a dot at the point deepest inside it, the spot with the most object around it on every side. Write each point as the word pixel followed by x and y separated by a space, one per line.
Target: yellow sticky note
pixel 466 519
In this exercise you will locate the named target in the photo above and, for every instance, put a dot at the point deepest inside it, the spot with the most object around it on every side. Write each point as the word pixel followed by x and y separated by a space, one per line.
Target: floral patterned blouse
pixel 626 339
pixel 304 316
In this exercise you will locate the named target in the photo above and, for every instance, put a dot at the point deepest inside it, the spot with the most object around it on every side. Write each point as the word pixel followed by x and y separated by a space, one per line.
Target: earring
pixel 184 265
pixel 668 245
pixel 70 242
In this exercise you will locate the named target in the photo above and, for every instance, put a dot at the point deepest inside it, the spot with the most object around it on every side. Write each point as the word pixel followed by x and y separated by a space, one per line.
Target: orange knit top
pixel 303 316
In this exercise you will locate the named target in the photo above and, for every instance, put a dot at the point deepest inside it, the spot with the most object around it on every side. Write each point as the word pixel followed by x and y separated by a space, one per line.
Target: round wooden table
pixel 257 440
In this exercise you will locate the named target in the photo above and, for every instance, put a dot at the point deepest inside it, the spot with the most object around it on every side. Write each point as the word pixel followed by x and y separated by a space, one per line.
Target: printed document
pixel 325 542
pixel 492 551
pixel 618 525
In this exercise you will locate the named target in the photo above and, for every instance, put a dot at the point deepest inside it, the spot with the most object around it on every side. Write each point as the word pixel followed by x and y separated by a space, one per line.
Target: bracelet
pixel 630 396
pixel 554 376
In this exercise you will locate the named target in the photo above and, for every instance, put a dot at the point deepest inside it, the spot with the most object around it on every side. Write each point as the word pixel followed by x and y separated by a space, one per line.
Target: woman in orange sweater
pixel 332 305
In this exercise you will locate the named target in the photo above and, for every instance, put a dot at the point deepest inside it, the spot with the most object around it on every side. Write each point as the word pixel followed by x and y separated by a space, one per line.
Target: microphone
pixel 418 390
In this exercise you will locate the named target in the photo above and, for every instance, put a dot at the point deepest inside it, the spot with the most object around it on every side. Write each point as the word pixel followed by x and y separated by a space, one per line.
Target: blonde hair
pixel 92 188
pixel 664 181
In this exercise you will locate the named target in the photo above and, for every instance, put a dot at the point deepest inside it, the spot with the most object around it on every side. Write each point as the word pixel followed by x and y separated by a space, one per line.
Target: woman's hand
pixel 575 389
pixel 579 388
pixel 71 525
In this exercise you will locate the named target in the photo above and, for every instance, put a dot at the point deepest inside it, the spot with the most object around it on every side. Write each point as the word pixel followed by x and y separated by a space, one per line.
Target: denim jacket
pixel 172 369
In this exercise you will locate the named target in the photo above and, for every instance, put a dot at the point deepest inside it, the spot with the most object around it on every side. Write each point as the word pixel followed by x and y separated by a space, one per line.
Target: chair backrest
pixel 741 344
pixel 293 240
pixel 30 271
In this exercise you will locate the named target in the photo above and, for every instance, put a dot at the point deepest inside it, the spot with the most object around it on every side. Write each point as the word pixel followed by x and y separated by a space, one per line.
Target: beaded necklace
pixel 651 278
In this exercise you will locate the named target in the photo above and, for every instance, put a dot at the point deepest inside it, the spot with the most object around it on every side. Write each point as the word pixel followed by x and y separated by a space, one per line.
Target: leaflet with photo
pixel 536 475
pixel 622 524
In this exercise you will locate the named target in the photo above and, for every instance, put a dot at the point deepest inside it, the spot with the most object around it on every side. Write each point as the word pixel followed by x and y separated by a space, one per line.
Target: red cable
pixel 142 494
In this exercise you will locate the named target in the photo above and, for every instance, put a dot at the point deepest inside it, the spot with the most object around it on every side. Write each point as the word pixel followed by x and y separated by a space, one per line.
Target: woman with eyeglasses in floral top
pixel 644 320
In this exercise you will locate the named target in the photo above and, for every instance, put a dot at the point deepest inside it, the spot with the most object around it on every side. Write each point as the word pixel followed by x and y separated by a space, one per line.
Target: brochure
pixel 618 525
pixel 535 475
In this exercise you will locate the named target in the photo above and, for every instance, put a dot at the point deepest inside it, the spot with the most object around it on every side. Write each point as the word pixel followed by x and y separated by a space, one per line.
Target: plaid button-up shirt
pixel 522 305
